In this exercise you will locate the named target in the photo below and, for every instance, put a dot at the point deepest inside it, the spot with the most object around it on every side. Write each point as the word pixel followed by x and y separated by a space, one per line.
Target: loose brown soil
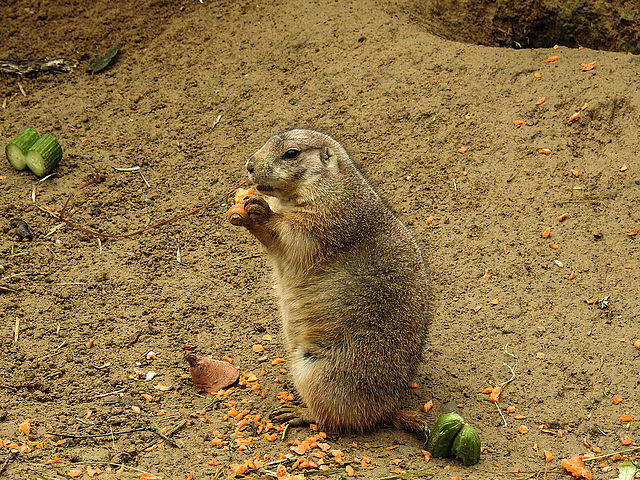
pixel 197 88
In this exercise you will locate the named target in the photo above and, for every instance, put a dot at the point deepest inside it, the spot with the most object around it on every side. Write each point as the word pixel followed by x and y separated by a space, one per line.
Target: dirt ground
pixel 452 136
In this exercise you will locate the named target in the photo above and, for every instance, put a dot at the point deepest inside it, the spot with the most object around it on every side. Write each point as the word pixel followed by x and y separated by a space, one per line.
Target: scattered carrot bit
pixel 575 466
pixel 547 456
pixel 617 399
pixel 350 471
pixel 147 397
pixel 556 47
pixel 495 394
pixel 517 123
pixel 457 477
pixel 593 300
pixel 563 217
pixel 277 361
pixel 75 473
pixel 616 457
pixel 488 390
pixel 552 58
pixel 519 417
pixel 523 429
pixel 553 245
pixel 637 344
pixel 90 343
pixel 477 309
pixel 397 461
pixel 217 234
pixel 429 220
pixel 52 460
pixel 540 101
pixel 624 167
pixel 546 233
pixel 544 151
pixel 574 117
pixel 257 348
pixel 462 149
pixel 427 406
pixel 511 409
pixel 584 107
pixel 214 462
pixel 135 409
pixel 427 455
pixel 88 414
pixel 587 66
pixel 626 418
pixel 634 233
pixel 365 462
pixel 596 450
pixel 413 385
pixel 537 75
pixel 575 173
pixel 227 359
pixel 241 193
pixel 238 469
pixel 626 441
pixel 25 427
pixel 540 355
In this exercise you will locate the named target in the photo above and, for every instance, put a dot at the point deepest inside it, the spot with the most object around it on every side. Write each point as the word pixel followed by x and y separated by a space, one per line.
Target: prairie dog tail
pixel 410 421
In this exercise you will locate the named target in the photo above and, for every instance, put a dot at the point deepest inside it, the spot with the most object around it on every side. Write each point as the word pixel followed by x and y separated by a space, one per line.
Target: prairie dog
pixel 352 285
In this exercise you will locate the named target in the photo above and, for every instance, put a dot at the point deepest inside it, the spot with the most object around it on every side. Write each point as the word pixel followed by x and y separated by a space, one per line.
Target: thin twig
pixel 142 230
pixel 110 434
pixel 500 412
pixel 513 369
pixel 415 473
pixel 111 393
pixel 12 453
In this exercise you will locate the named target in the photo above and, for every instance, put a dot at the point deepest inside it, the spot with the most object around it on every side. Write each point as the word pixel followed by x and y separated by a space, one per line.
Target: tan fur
pixel 351 281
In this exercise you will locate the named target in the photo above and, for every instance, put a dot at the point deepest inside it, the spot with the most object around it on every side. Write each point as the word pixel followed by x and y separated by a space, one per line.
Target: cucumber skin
pixel 23 142
pixel 443 433
pixel 46 149
pixel 466 445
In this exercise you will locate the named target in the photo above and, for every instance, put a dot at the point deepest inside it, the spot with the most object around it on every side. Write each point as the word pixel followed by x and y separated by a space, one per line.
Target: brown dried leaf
pixel 210 375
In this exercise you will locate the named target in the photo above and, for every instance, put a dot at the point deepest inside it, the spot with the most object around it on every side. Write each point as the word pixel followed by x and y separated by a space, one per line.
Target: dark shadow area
pixel 596 24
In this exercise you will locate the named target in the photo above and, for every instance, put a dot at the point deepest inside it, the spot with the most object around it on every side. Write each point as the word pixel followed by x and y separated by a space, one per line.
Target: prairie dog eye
pixel 291 153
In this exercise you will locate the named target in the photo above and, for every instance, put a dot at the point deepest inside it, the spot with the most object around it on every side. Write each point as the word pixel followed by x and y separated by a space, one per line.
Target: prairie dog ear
pixel 325 155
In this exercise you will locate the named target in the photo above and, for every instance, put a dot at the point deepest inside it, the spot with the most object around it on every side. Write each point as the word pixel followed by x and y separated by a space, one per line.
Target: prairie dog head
pixel 295 166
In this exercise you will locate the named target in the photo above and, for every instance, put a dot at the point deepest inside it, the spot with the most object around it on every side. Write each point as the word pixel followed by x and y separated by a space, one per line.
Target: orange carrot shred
pixel 575 466
pixel 495 394
pixel 547 456
pixel 626 418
